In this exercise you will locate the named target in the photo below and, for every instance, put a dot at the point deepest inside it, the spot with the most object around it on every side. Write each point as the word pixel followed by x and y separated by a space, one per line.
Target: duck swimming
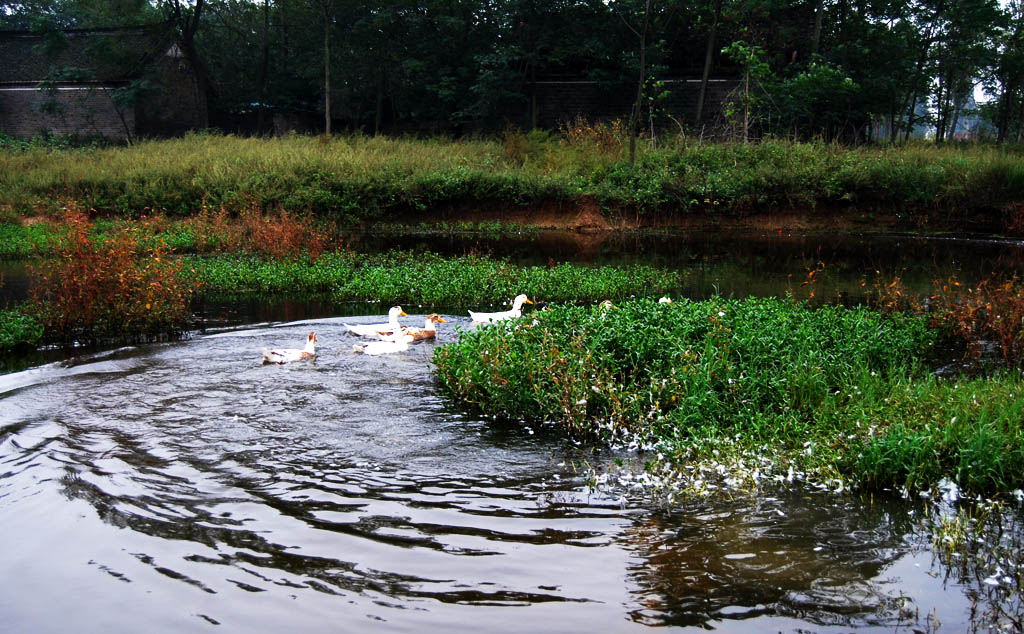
pixel 399 343
pixel 515 313
pixel 286 355
pixel 371 330
pixel 428 331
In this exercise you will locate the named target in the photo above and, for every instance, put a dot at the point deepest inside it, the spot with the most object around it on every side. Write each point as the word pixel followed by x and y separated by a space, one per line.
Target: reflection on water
pixel 176 486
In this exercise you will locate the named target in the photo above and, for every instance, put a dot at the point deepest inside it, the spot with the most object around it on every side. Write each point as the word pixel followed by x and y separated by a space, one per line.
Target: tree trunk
pixel 746 105
pixel 1020 120
pixel 634 119
pixel 819 10
pixel 1004 113
pixel 327 71
pixel 910 117
pixel 709 54
pixel 187 26
pixel 958 105
pixel 264 64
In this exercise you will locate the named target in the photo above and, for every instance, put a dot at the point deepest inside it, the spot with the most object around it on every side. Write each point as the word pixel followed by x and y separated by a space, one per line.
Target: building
pixel 113 83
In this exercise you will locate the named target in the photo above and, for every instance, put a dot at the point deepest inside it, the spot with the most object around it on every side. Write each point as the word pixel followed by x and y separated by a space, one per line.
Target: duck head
pixel 518 302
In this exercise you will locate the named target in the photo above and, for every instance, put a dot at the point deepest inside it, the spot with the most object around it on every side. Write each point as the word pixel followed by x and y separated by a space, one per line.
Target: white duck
pixel 399 343
pixel 428 331
pixel 371 330
pixel 286 355
pixel 515 313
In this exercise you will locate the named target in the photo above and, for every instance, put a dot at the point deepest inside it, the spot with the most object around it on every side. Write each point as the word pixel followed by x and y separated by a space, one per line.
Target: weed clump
pixel 92 290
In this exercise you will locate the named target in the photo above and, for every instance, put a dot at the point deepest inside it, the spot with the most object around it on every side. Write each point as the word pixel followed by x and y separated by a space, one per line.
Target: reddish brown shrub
pixel 280 234
pixel 114 289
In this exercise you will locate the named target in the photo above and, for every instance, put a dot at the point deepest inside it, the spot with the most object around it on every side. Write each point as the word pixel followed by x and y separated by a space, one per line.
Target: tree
pixel 750 59
pixel 966 38
pixel 708 57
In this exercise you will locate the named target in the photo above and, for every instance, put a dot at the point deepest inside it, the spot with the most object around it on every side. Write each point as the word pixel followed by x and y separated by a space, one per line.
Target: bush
pixel 93 290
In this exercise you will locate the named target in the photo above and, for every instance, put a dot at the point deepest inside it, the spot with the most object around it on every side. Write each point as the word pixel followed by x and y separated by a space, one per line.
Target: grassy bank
pixel 356 178
pixel 833 392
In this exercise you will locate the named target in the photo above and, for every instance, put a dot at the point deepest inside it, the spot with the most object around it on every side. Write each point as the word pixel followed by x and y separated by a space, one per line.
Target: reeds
pixel 358 178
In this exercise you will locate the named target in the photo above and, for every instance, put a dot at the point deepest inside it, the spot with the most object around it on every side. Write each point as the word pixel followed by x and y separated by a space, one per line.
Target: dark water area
pixel 184 486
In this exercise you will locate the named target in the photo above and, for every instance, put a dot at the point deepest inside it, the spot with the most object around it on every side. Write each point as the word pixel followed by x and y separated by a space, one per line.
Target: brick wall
pixel 561 101
pixel 84 110
pixel 177 104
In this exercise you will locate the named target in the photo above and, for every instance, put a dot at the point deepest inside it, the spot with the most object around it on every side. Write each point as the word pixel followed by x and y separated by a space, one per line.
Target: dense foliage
pixel 18 329
pixel 90 290
pixel 850 70
pixel 426 278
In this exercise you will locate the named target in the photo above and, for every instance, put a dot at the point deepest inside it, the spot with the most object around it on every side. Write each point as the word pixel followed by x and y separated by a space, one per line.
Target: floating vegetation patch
pixel 838 395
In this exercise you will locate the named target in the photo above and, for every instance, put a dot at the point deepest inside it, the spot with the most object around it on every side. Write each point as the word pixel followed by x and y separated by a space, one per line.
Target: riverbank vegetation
pixel 834 392
pixel 359 179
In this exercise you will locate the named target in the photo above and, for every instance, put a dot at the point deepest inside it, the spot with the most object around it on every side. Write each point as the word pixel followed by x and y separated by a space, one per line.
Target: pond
pixel 185 486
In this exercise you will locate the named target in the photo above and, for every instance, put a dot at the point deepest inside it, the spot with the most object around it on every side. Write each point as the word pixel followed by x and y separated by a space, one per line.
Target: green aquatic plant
pixel 675 368
pixel 247 274
pixel 964 429
pixel 426 278
pixel 840 392
pixel 18 241
pixel 19 329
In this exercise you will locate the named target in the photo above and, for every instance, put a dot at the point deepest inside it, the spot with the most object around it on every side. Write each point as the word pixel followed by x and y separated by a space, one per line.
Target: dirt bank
pixel 587 216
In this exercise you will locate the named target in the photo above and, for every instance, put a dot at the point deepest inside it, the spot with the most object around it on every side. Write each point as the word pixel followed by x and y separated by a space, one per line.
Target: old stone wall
pixel 25 112
pixel 174 103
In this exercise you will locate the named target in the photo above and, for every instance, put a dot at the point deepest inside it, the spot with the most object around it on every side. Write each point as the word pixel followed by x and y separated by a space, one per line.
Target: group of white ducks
pixel 391 336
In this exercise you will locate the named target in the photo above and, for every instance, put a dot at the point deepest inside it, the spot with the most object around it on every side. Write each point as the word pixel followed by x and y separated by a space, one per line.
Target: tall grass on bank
pixel 357 178
pixel 832 390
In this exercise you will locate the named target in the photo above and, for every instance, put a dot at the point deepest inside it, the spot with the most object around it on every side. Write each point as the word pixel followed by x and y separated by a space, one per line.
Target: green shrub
pixel 357 178
pixel 19 329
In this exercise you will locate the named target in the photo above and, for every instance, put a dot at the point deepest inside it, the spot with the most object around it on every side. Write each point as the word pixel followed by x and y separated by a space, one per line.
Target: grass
pixel 353 179
pixel 830 391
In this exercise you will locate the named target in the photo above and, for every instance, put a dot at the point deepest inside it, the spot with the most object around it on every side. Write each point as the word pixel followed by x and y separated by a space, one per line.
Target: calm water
pixel 186 487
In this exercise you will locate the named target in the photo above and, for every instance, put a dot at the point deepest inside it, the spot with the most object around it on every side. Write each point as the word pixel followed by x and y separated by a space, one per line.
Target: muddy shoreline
pixel 587 216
